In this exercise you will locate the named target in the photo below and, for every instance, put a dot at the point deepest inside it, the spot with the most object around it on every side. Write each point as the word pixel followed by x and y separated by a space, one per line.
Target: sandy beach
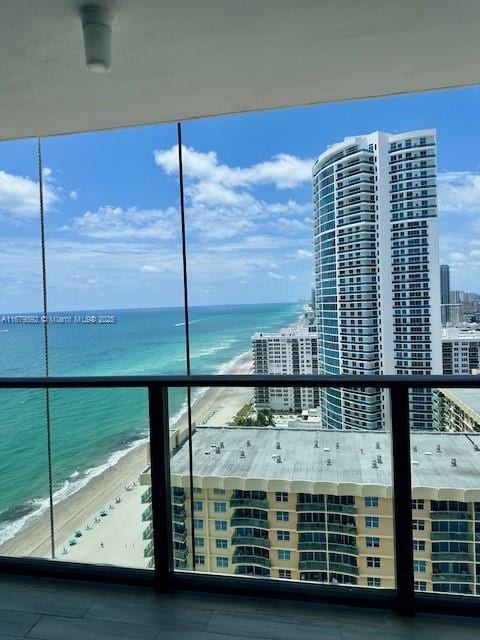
pixel 116 538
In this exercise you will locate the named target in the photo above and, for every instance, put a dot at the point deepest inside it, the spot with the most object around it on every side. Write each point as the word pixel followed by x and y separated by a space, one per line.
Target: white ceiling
pixel 180 59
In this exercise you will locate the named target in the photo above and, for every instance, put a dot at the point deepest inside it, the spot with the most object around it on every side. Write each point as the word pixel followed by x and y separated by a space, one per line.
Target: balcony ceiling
pixel 180 59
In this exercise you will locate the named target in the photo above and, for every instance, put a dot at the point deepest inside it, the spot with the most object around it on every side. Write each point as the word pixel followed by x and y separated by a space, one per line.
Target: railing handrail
pixel 243 380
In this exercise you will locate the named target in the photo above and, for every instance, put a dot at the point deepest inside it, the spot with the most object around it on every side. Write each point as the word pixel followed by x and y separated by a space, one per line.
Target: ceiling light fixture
pixel 97 37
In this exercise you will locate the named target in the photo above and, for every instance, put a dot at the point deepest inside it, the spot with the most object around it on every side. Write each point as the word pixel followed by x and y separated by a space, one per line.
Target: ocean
pixel 91 429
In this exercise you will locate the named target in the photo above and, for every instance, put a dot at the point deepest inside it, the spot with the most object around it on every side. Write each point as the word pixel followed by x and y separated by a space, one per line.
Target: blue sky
pixel 112 204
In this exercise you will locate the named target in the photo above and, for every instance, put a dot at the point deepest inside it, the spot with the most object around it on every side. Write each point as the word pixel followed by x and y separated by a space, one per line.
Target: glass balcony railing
pixel 340 567
pixel 313 565
pixel 251 559
pixel 452 555
pixel 452 577
pixel 249 502
pixel 212 520
pixel 310 506
pixel 241 521
pixel 311 526
pixel 341 508
pixel 180 554
pixel 312 546
pixel 343 548
pixel 452 535
pixel 451 515
pixel 251 541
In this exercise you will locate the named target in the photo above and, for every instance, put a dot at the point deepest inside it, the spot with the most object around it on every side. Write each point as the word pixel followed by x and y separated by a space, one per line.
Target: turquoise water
pixel 92 428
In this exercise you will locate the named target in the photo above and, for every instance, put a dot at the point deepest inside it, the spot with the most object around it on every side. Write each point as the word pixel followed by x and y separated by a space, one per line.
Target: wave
pixel 17 517
pixel 209 351
pixel 4 330
pixel 182 324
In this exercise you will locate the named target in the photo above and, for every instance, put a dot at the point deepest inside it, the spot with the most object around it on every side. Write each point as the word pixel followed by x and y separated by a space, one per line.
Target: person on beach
pixel 101 544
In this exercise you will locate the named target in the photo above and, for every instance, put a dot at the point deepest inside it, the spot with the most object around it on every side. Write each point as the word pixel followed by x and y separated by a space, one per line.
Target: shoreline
pixel 80 510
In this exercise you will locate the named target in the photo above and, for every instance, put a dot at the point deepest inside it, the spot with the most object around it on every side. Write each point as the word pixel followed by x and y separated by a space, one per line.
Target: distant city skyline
pixel 112 205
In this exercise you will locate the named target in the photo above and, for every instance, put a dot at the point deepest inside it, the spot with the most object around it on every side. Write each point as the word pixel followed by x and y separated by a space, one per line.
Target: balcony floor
pixel 59 610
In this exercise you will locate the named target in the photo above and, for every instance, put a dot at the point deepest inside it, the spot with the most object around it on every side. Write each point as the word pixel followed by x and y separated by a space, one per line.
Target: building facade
pixel 377 274
pixel 290 351
pixel 444 284
pixel 460 351
pixel 458 410
pixel 313 506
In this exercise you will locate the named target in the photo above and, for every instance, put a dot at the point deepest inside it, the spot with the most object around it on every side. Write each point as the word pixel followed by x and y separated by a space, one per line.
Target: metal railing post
pixel 160 479
pixel 402 499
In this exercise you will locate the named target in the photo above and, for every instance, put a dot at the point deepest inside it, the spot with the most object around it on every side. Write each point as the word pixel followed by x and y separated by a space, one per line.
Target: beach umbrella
pixel 104 513
pixel 78 533
pixel 72 542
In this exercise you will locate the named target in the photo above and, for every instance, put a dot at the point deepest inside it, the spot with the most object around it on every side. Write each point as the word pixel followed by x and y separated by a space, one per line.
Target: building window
pixel 419 545
pixel 221 544
pixel 372 522
pixel 198 505
pixel 282 516
pixel 199 559
pixel 199 542
pixel 222 562
pixel 419 585
pixel 220 507
pixel 219 492
pixel 284 554
pixel 420 565
pixel 371 501
pixel 419 505
pixel 373 542
pixel 220 525
pixel 197 489
pixel 373 562
pixel 197 523
pixel 281 496
pixel 285 573
pixel 283 536
pixel 373 582
pixel 418 525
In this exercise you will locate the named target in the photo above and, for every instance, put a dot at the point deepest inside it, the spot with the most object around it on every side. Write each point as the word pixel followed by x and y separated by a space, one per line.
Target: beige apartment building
pixel 457 409
pixel 316 505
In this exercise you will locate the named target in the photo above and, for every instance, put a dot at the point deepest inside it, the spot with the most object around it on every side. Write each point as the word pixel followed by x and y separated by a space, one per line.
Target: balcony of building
pixel 177 62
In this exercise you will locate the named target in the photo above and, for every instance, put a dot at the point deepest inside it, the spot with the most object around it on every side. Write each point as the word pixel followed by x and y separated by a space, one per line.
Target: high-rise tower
pixel 444 284
pixel 377 271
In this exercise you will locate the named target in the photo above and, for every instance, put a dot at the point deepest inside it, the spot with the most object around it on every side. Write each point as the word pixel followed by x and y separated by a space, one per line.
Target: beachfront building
pixel 460 350
pixel 316 506
pixel 290 351
pixel 452 314
pixel 377 275
pixel 458 410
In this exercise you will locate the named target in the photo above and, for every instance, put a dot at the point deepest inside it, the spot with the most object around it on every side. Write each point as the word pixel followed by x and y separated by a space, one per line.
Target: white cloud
pixel 220 202
pixel 282 170
pixel 301 254
pixel 455 256
pixel 275 276
pixel 73 195
pixel 459 191
pixel 20 198
pixel 110 223
pixel 149 268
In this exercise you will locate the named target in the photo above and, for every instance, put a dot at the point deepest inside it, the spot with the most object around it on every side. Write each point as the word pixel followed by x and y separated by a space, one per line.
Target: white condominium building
pixel 460 351
pixel 290 351
pixel 377 275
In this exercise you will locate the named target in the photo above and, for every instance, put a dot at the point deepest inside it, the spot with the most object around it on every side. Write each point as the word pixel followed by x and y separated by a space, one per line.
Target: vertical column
pixel 402 498
pixel 161 495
